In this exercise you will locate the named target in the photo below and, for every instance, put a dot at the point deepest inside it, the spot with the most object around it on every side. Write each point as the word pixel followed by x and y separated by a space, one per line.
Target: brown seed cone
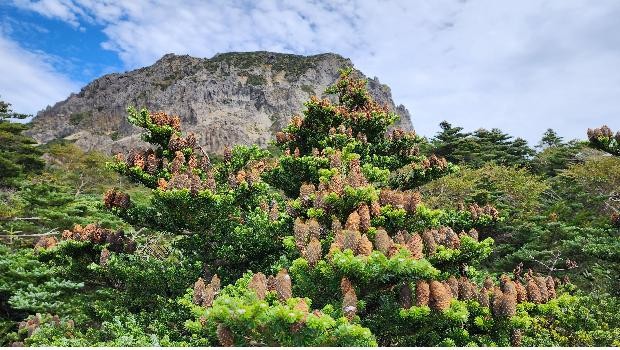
pixel 314 252
pixel 439 297
pixel 521 292
pixel 349 304
pixel 283 285
pixel 473 234
pixel 199 290
pixel 454 286
pixel 504 305
pixel 375 208
pixel 412 200
pixel 301 232
pixel 152 164
pixel 215 283
pixel 550 287
pixel 271 283
pixel 383 242
pixel 302 306
pixel 240 177
pixel 345 285
pixel 364 247
pixel 394 249
pixel 258 284
pixel 351 240
pixel 335 159
pixel 353 222
pixel 467 290
pixel 305 191
pixel 439 236
pixel 453 241
pixel 507 285
pixel 422 293
pixel 488 283
pixel 448 290
pixel 336 184
pixel 162 184
pixel 515 337
pixel 314 228
pixel 542 286
pixel 225 336
pixel 104 257
pixel 416 247
pixel 483 297
pixel 400 237
pixel 533 292
pixel 429 243
pixel 336 225
pixel 364 214
pixel 406 297
pixel 208 296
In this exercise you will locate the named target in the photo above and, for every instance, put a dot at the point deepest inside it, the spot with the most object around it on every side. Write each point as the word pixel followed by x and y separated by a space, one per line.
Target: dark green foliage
pixel 18 155
pixel 481 147
pixel 554 154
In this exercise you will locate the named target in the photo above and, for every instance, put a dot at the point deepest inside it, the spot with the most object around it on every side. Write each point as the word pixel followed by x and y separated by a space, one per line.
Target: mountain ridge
pixel 231 98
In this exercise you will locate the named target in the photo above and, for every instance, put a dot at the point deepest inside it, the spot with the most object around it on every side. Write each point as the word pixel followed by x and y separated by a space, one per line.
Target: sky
pixel 521 66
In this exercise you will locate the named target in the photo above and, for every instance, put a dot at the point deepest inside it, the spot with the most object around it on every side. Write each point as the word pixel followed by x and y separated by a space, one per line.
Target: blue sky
pixel 521 66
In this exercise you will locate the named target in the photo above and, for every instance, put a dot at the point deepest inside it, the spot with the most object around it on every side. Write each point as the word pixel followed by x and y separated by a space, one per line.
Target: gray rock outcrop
pixel 232 98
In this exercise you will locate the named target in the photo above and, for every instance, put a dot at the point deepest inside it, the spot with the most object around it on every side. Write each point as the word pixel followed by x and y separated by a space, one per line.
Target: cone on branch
pixel 422 293
pixel 225 335
pixel 258 284
pixel 383 242
pixel 313 252
pixel 416 247
pixel 542 287
pixel 406 297
pixel 353 222
pixel 351 240
pixel 439 299
pixel 283 285
pixel 483 297
pixel 521 292
pixel 364 214
pixel 467 290
pixel 375 208
pixel 504 304
pixel 453 283
pixel 533 292
pixel 364 246
pixel 314 228
pixel 429 243
pixel 400 237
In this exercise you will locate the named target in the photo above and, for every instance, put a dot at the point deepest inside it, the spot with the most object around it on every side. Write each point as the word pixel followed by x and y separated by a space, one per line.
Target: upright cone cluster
pixel 116 240
pixel 502 298
pixel 204 295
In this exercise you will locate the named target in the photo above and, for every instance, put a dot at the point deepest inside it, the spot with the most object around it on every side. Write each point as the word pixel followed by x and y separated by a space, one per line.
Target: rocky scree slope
pixel 232 98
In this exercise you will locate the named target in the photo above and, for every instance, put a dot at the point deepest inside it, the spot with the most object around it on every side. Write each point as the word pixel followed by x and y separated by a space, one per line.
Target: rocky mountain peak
pixel 231 98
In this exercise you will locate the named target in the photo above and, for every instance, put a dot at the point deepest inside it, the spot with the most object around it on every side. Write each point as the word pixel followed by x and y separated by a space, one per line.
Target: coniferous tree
pixel 18 155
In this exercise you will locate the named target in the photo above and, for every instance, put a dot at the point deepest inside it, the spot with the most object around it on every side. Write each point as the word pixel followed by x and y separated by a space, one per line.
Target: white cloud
pixel 28 81
pixel 521 66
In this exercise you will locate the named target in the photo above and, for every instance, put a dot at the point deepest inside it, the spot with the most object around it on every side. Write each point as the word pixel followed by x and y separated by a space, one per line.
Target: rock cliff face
pixel 232 98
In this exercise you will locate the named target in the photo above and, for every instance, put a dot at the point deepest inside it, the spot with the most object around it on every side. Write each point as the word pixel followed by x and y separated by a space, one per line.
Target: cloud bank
pixel 27 79
pixel 520 66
